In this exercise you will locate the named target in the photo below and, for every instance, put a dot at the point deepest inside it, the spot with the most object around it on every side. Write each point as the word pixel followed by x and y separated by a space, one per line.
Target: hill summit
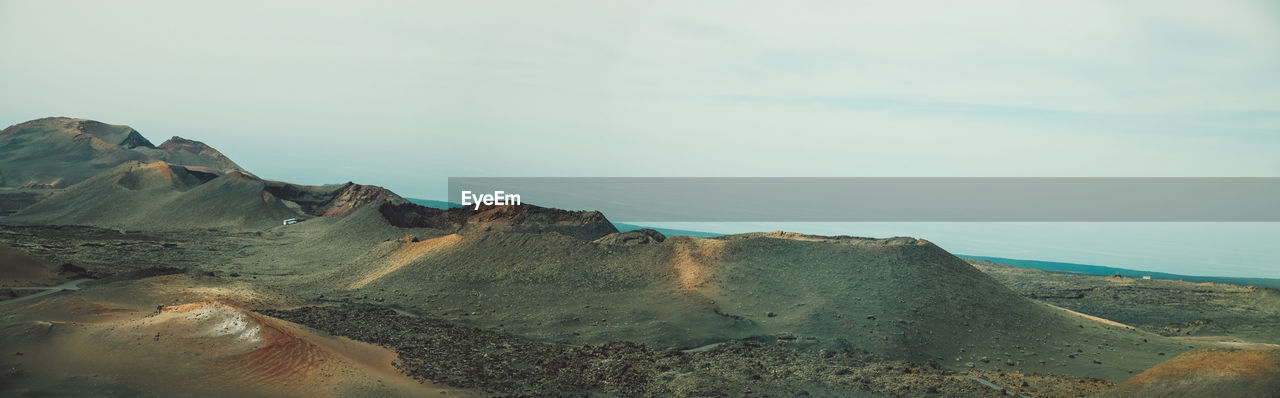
pixel 57 152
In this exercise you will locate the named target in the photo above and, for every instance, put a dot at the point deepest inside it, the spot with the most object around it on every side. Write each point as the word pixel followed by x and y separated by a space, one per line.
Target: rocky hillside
pixel 159 195
pixel 78 171
pixel 901 298
pixel 58 152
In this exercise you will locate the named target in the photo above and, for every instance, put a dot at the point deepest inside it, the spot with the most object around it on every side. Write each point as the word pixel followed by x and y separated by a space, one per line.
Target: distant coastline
pixel 1098 270
pixel 1050 266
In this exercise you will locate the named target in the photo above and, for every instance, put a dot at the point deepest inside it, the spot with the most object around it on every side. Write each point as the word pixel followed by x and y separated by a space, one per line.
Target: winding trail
pixel 71 285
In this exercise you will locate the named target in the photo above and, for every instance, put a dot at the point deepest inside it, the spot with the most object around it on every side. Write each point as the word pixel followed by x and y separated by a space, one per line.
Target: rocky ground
pixel 1192 311
pixel 165 295
pixel 12 199
pixel 460 349
pixel 503 364
pixel 98 252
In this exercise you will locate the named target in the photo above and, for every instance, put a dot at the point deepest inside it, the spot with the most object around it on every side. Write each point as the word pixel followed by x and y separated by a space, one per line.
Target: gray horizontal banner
pixel 699 199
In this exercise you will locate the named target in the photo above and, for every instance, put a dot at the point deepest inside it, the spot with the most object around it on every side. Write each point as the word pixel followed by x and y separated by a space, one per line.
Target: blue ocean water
pixel 1239 250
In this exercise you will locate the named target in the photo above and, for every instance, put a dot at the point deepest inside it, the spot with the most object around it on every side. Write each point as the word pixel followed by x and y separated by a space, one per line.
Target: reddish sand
pixel 1208 372
pixel 1215 363
pixel 201 348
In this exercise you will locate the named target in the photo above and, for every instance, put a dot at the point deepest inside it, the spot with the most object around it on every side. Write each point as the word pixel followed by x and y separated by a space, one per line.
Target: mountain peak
pixel 55 152
pixel 120 135
pixel 177 143
pixel 186 151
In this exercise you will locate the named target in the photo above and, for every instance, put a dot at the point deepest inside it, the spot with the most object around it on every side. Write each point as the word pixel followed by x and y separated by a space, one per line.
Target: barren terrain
pixel 168 271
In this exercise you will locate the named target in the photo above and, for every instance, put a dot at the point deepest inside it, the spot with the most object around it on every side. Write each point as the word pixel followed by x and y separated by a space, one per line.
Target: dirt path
pixel 72 285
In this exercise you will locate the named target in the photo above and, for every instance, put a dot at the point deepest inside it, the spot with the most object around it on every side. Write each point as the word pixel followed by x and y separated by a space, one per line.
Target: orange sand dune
pixel 202 348
pixel 1208 372
pixel 1214 363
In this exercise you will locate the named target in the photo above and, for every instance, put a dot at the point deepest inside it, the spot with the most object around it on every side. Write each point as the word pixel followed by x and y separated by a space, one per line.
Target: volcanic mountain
pixel 899 298
pixel 557 276
pixel 111 176
pixel 58 152
pixel 159 195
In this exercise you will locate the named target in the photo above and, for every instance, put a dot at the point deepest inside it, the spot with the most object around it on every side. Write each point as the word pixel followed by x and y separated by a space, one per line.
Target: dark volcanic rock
pixel 506 365
pixel 409 215
pixel 631 238
pixel 529 218
pixel 589 225
pixel 134 140
pixel 329 201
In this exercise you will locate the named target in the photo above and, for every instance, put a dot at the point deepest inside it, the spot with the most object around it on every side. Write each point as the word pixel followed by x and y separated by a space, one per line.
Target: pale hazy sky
pixel 404 94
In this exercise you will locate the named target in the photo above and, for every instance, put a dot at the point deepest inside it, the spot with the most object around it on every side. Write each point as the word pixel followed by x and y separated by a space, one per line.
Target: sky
pixel 406 94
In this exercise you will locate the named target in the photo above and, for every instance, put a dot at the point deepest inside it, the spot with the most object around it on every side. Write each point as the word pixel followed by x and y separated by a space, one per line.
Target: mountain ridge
pixel 57 152
pixel 99 172
pixel 529 270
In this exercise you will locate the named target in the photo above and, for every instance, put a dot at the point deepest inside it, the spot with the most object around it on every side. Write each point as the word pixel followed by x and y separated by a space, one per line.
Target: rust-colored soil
pixel 406 254
pixel 694 260
pixel 1214 363
pixel 201 348
pixel 1208 372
